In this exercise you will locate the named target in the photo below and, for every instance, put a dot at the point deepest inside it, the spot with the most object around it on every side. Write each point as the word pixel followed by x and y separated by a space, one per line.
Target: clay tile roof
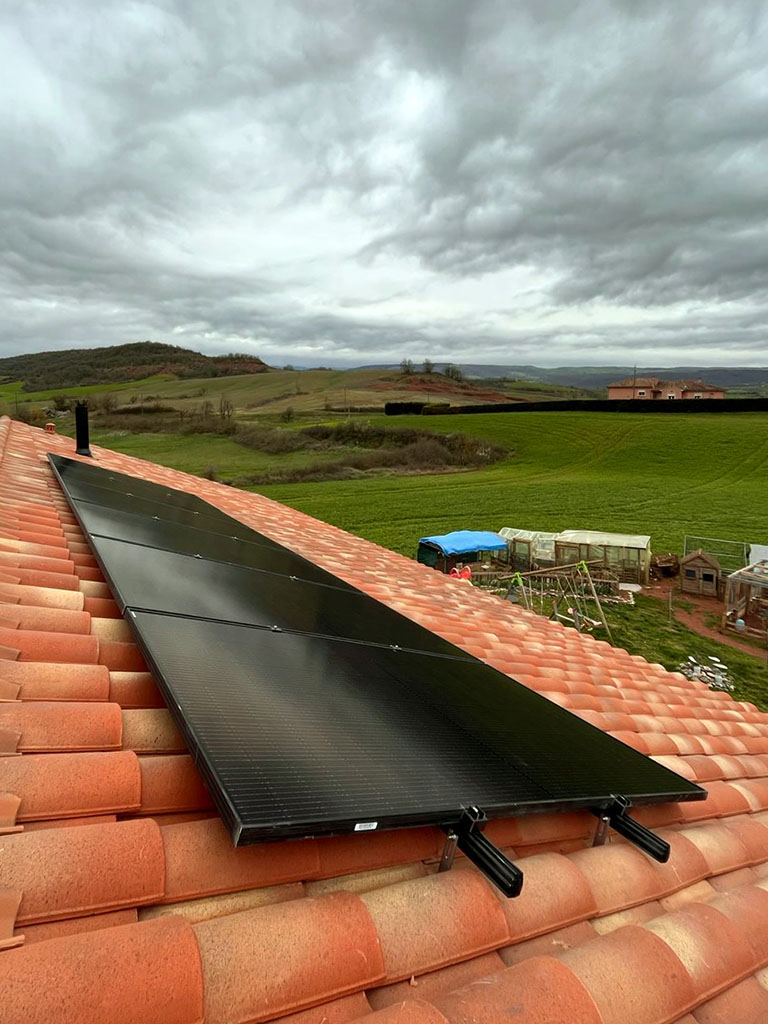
pixel 123 899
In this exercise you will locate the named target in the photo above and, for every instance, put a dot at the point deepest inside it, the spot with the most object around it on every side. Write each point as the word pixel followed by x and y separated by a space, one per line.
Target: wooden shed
pixel 700 573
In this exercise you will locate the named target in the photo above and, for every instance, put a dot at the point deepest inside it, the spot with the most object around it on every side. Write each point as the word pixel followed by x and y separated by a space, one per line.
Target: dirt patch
pixel 698 615
pixel 439 386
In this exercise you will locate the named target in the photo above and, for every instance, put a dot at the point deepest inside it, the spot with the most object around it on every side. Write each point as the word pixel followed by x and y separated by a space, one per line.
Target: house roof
pixel 699 555
pixel 657 382
pixel 122 898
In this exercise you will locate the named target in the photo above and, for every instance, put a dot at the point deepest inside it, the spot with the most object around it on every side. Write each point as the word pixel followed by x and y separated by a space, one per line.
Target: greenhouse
pixel 627 555
pixel 529 549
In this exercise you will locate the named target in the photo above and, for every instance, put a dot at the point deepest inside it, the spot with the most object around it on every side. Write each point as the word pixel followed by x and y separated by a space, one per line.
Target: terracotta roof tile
pixel 201 861
pixel 713 949
pixel 75 925
pixel 49 727
pixel 436 983
pixel 536 991
pixel 556 893
pixel 465 919
pixel 171 783
pixel 133 690
pixel 287 936
pixel 135 974
pixel 410 1011
pixel 151 731
pixel 549 944
pixel 348 854
pixel 229 903
pixel 69 785
pixel 746 1003
pixel 364 881
pixel 633 975
pixel 34 645
pixel 747 907
pixel 40 681
pixel 70 872
pixel 721 847
pixel 337 1011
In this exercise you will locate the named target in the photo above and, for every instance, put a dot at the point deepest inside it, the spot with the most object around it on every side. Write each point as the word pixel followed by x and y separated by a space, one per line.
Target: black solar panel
pixel 313 709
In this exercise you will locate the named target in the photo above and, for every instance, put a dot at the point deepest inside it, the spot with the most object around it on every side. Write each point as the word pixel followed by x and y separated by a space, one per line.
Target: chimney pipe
pixel 82 435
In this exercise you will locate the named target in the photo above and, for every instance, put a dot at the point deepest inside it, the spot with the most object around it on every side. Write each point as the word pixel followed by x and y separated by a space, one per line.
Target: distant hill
pixel 602 376
pixel 77 366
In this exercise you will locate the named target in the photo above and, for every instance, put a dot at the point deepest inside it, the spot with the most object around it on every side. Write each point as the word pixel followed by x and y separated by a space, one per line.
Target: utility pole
pixel 634 382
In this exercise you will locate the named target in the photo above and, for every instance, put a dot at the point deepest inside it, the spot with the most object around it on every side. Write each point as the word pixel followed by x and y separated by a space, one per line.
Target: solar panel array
pixel 310 707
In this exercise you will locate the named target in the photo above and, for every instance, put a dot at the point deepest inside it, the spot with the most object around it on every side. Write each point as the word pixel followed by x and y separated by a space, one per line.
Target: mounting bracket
pixel 615 814
pixel 468 837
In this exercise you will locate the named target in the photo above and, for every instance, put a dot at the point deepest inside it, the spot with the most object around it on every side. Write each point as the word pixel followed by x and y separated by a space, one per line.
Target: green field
pixel 660 474
pixel 702 474
pixel 12 395
pixel 197 453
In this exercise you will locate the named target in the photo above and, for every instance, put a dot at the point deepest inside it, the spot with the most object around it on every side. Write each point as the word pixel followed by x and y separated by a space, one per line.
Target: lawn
pixel 645 629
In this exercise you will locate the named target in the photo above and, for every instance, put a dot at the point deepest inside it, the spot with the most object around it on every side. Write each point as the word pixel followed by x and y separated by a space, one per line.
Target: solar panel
pixel 313 709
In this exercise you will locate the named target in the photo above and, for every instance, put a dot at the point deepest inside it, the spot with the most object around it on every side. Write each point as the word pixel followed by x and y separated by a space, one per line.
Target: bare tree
pixel 406 366
pixel 453 372
pixel 428 366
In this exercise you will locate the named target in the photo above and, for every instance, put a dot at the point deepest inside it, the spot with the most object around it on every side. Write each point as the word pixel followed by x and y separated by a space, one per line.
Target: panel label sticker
pixel 365 826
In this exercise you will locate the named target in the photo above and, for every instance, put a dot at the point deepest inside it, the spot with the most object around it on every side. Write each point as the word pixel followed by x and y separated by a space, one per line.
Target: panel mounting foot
pixel 615 814
pixel 495 865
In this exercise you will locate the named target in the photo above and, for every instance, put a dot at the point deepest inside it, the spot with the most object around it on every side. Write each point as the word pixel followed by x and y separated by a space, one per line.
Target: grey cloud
pixel 291 179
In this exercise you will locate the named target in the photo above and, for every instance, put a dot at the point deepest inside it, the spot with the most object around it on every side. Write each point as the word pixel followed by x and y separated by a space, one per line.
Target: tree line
pixel 453 372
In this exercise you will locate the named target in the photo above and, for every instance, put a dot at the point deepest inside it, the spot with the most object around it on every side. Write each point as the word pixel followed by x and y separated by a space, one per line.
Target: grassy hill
pixel 118 363
pixel 305 392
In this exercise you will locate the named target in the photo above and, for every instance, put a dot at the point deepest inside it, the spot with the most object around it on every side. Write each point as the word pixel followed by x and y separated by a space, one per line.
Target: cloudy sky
pixel 348 181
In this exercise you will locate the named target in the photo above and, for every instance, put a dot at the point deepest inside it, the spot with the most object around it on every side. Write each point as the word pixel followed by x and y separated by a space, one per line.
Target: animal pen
pixel 627 555
pixel 746 601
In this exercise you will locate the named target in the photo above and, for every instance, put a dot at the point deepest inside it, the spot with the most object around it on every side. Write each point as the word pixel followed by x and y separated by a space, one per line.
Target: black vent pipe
pixel 82 434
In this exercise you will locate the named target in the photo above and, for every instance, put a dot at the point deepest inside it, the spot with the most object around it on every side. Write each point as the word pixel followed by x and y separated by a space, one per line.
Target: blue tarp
pixel 461 542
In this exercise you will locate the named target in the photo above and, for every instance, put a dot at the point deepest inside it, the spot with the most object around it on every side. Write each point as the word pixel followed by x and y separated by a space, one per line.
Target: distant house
pixel 652 388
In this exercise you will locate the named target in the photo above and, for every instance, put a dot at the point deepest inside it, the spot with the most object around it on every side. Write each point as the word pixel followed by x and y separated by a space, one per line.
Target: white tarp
pixel 511 533
pixel 596 537
pixel 758 553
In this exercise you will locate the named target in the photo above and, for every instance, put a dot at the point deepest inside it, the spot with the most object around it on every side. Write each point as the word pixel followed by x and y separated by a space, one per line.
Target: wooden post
pixel 599 606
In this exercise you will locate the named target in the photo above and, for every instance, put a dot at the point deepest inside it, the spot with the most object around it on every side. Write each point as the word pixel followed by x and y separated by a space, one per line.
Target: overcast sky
pixel 331 181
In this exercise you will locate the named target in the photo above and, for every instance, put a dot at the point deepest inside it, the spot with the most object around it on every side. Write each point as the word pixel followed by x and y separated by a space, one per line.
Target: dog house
pixel 700 573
